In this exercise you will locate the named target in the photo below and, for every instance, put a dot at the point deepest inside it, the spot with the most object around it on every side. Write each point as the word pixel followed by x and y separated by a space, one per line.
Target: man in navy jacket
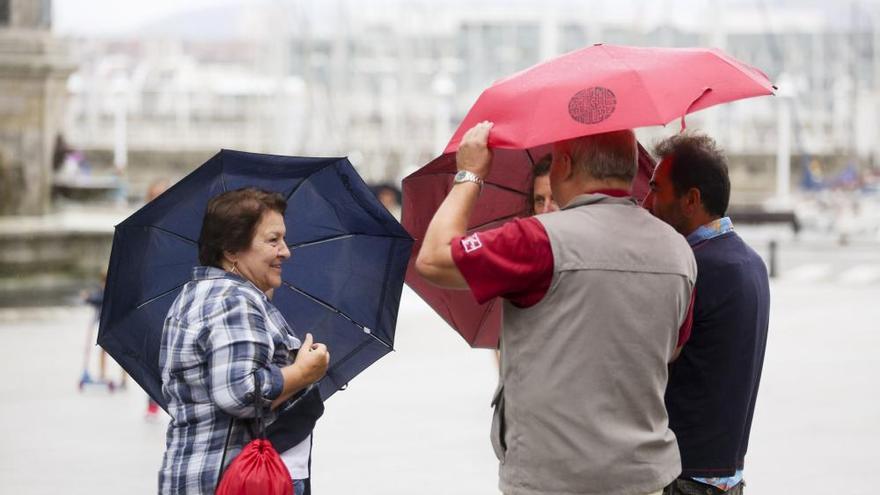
pixel 713 384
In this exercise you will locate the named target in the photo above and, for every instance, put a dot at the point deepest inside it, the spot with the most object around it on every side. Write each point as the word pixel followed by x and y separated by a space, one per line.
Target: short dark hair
pixel 539 169
pixel 542 166
pixel 697 162
pixel 231 221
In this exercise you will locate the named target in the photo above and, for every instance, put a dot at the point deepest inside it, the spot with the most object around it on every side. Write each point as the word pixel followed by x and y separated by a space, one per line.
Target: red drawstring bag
pixel 258 470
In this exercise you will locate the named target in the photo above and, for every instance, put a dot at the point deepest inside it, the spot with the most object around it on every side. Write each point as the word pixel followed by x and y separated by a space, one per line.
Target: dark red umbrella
pixel 598 89
pixel 506 198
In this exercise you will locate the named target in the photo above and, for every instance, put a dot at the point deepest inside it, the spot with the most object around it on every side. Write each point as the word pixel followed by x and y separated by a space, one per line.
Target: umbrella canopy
pixel 601 88
pixel 604 88
pixel 342 283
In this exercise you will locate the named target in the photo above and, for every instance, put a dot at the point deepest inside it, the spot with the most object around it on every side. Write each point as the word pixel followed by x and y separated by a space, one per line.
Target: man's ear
pixel 568 170
pixel 693 202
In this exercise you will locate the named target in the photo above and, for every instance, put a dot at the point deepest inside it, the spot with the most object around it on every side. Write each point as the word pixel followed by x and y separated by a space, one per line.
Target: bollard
pixel 773 265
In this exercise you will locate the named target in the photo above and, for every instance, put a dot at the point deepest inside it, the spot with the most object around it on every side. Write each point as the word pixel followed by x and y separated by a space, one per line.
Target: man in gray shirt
pixel 597 298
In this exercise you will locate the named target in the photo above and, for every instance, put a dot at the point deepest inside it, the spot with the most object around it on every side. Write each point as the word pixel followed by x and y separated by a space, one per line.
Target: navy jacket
pixel 296 421
pixel 714 382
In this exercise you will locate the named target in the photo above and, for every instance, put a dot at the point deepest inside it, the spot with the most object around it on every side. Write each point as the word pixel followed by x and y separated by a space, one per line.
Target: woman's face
pixel 261 262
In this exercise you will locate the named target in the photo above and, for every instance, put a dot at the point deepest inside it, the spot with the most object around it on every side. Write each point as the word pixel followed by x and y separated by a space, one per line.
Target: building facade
pixel 387 84
pixel 33 75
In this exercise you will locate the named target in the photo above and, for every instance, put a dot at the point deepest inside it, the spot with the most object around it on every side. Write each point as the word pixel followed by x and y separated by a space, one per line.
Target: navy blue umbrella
pixel 342 282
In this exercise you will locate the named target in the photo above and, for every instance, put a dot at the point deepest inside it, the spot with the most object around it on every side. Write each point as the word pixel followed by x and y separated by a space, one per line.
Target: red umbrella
pixel 605 88
pixel 597 89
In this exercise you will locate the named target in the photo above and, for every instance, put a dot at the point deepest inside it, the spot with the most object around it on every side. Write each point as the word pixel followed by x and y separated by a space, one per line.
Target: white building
pixel 386 82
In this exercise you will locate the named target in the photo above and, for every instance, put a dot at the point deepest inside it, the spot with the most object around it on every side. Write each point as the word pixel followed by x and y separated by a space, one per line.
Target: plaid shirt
pixel 220 334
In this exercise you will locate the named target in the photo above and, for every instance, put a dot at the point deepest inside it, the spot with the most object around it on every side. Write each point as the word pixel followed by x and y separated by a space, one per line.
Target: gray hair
pixel 611 155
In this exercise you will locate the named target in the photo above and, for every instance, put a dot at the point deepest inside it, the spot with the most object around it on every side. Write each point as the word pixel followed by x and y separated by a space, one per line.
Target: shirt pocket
pixel 285 341
pixel 497 432
pixel 286 346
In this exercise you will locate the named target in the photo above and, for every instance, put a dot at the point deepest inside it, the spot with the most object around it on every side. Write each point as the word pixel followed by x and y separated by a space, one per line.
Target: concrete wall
pixel 30 14
pixel 51 266
pixel 30 104
pixel 145 166
pixel 33 73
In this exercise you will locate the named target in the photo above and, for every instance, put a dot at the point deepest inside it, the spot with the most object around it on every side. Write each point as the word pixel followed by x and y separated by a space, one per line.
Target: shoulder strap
pixel 225 448
pixel 258 418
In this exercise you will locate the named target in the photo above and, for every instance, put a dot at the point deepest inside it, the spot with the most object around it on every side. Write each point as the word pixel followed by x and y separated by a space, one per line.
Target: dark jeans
pixel 690 487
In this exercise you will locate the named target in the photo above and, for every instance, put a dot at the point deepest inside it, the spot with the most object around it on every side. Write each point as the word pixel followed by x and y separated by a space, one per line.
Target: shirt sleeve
pixel 239 350
pixel 684 333
pixel 514 261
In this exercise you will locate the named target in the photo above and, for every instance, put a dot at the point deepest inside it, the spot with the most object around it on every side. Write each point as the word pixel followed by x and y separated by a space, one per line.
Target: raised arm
pixel 434 262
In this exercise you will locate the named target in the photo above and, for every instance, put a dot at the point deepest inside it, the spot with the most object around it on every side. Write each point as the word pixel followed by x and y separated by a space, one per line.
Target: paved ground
pixel 417 422
pixel 818 259
pixel 404 426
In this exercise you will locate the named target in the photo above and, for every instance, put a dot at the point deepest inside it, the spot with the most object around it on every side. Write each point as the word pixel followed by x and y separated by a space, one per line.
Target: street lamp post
pixel 783 151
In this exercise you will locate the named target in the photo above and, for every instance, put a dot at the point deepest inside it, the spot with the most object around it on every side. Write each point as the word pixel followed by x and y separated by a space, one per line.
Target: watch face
pixel 460 176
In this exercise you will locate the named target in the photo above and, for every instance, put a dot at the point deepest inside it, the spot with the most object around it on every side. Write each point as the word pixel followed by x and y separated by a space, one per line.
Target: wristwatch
pixel 468 176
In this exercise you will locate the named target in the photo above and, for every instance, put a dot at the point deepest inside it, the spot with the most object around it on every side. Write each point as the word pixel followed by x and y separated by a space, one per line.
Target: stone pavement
pixel 417 421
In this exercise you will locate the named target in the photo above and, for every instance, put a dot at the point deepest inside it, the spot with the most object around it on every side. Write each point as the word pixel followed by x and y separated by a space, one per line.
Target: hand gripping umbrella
pixel 601 88
pixel 342 283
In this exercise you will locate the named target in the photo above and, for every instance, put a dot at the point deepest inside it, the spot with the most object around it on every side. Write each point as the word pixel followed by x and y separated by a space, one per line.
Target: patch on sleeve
pixel 471 243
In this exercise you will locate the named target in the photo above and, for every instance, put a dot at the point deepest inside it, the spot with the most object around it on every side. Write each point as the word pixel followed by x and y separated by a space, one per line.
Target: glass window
pixel 45 14
pixel 4 12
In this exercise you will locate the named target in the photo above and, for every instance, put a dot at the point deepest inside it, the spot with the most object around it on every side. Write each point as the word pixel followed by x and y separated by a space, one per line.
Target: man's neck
pixel 698 222
pixel 567 190
pixel 592 186
pixel 605 185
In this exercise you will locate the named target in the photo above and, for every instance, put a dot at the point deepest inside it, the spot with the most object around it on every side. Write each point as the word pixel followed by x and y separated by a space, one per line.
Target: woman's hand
pixel 310 366
pixel 312 360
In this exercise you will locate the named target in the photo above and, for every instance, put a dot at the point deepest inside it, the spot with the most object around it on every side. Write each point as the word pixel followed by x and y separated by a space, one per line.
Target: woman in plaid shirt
pixel 222 336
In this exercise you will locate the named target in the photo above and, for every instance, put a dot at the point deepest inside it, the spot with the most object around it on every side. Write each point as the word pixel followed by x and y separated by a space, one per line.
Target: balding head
pixel 590 163
pixel 607 156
